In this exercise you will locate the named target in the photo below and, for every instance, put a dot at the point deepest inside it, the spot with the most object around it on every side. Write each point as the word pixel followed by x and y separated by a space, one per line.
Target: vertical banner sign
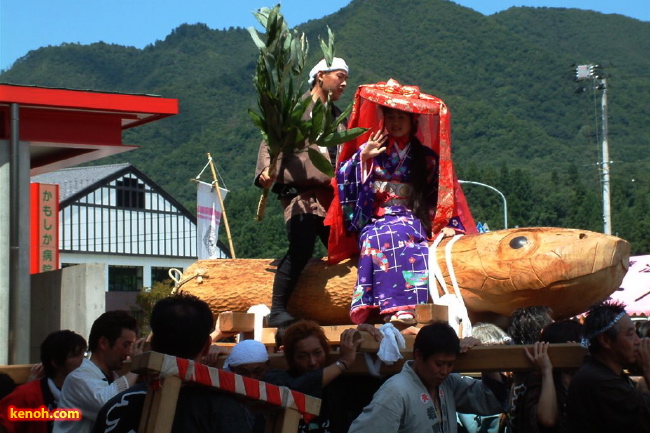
pixel 208 217
pixel 44 236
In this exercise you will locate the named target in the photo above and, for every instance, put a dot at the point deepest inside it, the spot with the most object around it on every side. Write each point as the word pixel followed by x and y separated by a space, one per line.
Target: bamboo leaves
pixel 282 56
pixel 282 114
pixel 328 47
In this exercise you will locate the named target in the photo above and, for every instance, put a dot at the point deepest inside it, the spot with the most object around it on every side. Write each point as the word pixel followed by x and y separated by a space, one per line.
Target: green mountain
pixel 518 123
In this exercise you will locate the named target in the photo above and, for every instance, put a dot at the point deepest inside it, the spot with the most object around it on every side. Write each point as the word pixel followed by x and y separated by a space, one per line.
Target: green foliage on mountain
pixel 518 123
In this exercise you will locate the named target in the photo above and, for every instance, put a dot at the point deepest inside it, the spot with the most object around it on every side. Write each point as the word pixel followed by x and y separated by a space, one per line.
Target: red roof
pixel 67 127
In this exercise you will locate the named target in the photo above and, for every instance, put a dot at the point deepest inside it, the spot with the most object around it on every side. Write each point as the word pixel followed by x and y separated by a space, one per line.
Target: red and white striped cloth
pixel 191 371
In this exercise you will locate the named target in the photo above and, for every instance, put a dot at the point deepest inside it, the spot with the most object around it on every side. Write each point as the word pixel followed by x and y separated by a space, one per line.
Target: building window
pixel 124 278
pixel 161 275
pixel 130 193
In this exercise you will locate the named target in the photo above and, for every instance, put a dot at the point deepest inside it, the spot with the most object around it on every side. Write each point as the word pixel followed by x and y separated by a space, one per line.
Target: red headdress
pixel 433 131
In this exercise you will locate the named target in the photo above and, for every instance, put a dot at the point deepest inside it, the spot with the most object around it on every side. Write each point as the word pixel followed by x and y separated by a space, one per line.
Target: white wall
pixel 124 260
pixel 71 298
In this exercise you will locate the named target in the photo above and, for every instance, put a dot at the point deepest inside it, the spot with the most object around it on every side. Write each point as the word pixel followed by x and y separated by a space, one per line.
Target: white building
pixel 114 214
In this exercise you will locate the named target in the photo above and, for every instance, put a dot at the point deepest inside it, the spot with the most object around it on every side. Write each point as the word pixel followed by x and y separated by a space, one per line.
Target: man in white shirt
pixel 112 340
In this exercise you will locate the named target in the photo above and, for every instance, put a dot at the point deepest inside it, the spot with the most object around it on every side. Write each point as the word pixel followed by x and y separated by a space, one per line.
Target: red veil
pixel 433 131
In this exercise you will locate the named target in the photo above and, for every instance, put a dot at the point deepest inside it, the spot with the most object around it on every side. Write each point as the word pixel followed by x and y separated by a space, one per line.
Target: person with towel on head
pixel 304 191
pixel 248 358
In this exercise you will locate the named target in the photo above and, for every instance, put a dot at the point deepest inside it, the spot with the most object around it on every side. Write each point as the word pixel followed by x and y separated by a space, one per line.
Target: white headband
pixel 246 352
pixel 337 64
pixel 586 340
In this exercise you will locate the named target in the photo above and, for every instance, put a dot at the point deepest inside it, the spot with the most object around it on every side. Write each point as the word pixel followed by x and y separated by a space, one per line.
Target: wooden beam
pixel 429 313
pixel 370 345
pixel 282 421
pixel 231 321
pixel 268 337
pixel 513 357
pixel 478 359
pixel 19 372
pixel 148 362
pixel 333 334
pixel 163 406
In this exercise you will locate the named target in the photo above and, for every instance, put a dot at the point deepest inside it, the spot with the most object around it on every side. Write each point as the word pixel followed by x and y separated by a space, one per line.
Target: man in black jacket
pixel 601 397
pixel 305 192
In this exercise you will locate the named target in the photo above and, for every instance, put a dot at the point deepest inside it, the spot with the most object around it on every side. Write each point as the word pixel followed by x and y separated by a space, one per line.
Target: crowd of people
pixel 425 395
pixel 394 191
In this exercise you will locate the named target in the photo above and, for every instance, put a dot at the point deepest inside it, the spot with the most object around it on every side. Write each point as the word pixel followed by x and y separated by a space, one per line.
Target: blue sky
pixel 29 24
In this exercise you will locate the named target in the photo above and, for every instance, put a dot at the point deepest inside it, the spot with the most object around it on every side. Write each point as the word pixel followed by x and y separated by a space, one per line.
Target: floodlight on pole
pixel 593 72
pixel 503 197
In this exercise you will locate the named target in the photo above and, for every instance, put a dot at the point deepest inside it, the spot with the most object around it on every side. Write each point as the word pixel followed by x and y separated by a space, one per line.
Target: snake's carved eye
pixel 518 242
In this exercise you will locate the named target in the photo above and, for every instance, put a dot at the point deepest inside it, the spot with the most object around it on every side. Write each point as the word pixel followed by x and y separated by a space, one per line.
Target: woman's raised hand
pixel 374 146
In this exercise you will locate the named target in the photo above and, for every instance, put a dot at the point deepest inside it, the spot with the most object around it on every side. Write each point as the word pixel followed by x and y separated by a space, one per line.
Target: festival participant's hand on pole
pixel 539 357
pixel 348 352
pixel 376 333
pixel 467 343
pixel 212 357
pixel 138 347
pixel 349 346
pixel 36 372
pixel 547 409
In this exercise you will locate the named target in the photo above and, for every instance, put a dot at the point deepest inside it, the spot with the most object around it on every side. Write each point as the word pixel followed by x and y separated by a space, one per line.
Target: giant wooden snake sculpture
pixel 496 272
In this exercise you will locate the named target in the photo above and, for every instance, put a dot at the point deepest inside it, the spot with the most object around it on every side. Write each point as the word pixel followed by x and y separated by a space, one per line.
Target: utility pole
pixel 593 73
pixel 607 211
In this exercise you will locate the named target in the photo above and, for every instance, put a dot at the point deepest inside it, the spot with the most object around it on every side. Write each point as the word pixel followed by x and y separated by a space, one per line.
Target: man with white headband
pixel 601 397
pixel 304 191
pixel 331 80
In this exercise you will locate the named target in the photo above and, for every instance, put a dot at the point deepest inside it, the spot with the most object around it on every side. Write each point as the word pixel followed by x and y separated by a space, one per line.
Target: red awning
pixel 65 127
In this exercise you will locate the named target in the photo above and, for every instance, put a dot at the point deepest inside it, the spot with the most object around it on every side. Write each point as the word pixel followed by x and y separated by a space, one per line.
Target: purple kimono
pixel 393 270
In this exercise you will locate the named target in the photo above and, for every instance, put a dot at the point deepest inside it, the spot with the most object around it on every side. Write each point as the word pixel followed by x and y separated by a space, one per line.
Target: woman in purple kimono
pixel 389 191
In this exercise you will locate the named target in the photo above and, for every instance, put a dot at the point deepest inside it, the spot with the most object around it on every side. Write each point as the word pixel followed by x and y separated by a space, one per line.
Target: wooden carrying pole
pixel 161 399
pixel 223 208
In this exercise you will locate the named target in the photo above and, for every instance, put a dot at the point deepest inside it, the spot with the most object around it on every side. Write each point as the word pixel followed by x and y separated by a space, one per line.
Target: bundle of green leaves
pixel 282 106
